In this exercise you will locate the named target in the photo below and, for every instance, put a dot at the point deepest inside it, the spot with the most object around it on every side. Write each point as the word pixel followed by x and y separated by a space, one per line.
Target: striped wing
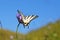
pixel 28 19
pixel 32 17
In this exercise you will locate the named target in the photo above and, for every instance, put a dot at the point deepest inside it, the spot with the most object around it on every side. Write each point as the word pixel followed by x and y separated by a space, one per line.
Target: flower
pixel 19 17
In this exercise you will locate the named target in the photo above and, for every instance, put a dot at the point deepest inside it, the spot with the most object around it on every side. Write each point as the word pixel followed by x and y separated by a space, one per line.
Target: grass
pixel 51 31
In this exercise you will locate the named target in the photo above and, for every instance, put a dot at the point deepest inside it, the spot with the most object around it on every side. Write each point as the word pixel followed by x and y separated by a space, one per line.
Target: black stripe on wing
pixel 34 17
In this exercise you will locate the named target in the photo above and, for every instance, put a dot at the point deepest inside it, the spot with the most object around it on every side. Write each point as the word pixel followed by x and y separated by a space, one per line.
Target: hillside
pixel 51 31
pixel 6 35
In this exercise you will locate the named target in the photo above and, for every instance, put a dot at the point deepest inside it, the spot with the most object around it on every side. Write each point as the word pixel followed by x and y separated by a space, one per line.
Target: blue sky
pixel 47 10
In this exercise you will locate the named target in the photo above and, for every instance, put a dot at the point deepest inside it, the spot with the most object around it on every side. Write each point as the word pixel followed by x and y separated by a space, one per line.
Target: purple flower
pixel 19 17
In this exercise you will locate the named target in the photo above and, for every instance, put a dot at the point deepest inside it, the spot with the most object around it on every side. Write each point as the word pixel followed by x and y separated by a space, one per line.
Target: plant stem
pixel 1 30
pixel 1 25
pixel 17 31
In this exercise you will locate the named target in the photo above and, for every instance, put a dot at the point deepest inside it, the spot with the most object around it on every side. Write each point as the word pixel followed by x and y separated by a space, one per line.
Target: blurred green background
pixel 51 31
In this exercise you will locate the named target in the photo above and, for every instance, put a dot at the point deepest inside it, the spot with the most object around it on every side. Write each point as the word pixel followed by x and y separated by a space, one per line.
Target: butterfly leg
pixel 24 26
pixel 28 26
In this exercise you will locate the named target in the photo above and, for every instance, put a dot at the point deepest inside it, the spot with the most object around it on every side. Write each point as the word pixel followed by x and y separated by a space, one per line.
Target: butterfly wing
pixel 21 14
pixel 32 17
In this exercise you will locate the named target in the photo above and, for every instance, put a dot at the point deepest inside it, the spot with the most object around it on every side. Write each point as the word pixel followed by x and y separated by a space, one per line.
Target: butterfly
pixel 25 20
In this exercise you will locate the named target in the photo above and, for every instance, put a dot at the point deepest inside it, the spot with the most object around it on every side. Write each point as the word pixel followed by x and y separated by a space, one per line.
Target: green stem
pixel 1 30
pixel 1 25
pixel 17 31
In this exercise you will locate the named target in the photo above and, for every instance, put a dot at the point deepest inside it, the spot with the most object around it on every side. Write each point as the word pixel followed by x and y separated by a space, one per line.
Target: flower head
pixel 19 17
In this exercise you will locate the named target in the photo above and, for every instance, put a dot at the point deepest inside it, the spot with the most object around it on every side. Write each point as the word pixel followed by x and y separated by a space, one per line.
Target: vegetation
pixel 6 35
pixel 50 31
